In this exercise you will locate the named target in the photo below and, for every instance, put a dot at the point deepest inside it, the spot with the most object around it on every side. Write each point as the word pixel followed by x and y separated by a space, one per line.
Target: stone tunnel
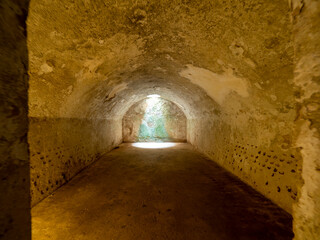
pixel 233 86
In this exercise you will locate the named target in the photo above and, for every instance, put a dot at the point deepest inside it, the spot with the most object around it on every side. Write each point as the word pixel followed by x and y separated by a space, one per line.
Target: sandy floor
pixel 147 194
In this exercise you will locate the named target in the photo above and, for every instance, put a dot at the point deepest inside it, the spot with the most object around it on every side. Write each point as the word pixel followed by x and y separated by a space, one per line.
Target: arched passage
pixel 234 86
pixel 91 60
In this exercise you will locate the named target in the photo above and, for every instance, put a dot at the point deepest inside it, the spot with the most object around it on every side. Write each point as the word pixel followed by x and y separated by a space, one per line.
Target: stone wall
pixel 68 131
pixel 269 168
pixel 228 64
pixel 14 160
pixel 60 148
pixel 306 20
pixel 162 121
pixel 251 130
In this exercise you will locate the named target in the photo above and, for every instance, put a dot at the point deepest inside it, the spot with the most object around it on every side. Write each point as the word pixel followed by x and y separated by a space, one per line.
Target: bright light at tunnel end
pixel 153 145
pixel 152 102
pixel 153 96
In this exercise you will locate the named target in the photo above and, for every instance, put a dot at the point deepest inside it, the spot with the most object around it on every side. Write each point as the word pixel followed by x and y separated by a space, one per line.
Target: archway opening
pixel 154 120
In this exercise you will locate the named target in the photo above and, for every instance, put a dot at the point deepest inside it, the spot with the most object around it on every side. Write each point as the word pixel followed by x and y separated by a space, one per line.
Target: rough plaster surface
pixel 80 51
pixel 14 160
pixel 306 22
pixel 119 53
pixel 273 171
pixel 174 122
pixel 216 86
pixel 95 59
pixel 60 148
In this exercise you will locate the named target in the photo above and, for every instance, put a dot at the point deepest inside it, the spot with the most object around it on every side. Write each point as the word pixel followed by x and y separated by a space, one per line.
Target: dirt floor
pixel 148 194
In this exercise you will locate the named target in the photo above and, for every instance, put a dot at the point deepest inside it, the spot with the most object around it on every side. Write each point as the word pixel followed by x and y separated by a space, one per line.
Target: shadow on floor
pixel 173 193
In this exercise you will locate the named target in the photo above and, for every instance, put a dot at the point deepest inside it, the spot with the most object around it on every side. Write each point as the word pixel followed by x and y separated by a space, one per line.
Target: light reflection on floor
pixel 154 145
